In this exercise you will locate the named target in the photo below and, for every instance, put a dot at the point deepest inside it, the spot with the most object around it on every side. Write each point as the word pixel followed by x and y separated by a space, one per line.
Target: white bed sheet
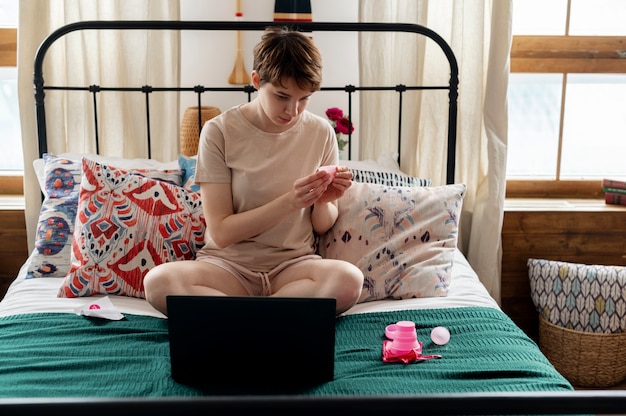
pixel 465 289
pixel 40 295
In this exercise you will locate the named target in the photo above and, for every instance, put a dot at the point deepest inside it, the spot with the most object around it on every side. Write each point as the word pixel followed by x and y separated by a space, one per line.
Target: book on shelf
pixel 614 190
pixel 613 183
pixel 613 198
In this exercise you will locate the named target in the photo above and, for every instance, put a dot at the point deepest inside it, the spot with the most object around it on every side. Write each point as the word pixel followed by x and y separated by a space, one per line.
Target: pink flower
pixel 334 113
pixel 344 126
pixel 341 125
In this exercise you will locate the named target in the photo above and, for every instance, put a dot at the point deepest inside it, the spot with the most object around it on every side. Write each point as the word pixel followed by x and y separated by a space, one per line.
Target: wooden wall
pixel 13 245
pixel 584 232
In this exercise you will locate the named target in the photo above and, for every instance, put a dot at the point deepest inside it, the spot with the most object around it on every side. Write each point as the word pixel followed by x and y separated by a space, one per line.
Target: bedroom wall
pixel 214 62
pixel 13 245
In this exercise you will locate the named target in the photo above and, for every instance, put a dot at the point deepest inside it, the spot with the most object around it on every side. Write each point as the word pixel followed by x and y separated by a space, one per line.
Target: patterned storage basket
pixel 582 319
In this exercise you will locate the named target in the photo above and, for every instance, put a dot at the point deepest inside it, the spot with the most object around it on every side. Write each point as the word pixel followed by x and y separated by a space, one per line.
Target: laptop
pixel 251 344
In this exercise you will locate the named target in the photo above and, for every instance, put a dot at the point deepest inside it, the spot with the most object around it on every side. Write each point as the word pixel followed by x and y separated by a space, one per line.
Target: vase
pixel 191 125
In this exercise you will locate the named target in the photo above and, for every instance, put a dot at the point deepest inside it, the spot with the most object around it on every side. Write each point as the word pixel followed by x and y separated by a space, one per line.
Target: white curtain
pixel 479 33
pixel 76 60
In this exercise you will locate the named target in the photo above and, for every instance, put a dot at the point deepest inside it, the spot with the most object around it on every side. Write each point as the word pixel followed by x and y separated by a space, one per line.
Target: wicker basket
pixel 190 130
pixel 585 359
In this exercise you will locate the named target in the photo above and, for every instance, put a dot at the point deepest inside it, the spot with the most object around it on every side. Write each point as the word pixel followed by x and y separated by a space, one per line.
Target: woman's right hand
pixel 308 189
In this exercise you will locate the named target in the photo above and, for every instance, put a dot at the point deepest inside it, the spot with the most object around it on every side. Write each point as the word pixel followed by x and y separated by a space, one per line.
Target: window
pixel 567 97
pixel 10 136
pixel 11 158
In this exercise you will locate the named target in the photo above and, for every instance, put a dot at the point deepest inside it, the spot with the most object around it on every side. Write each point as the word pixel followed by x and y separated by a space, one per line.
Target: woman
pixel 263 194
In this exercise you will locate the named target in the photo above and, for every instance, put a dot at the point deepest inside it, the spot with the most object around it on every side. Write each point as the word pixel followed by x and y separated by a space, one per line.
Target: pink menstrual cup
pixel 332 169
pixel 404 337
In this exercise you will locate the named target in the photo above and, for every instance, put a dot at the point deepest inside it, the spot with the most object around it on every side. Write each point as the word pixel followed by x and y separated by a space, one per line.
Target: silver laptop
pixel 251 344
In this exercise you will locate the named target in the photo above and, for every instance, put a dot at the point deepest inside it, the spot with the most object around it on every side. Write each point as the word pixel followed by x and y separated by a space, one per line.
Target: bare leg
pixel 189 278
pixel 321 278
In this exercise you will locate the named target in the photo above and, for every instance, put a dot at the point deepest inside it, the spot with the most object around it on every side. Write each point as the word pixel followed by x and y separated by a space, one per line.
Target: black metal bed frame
pixel 595 402
pixel 604 402
pixel 452 86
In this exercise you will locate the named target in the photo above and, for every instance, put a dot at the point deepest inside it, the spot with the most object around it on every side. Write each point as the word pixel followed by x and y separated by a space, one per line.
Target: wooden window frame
pixel 8 47
pixel 569 54
pixel 564 55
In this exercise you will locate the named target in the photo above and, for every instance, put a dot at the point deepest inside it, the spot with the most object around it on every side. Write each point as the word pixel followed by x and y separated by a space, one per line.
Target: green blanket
pixel 65 355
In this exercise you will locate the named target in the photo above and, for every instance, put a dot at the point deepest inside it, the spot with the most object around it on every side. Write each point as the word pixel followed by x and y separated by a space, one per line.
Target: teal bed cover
pixel 65 355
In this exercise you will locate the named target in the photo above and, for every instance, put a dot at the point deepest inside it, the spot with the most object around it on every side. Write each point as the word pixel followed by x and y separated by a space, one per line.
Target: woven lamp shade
pixel 190 129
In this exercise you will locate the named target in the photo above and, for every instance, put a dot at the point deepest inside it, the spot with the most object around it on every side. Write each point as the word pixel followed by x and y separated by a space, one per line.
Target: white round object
pixel 440 335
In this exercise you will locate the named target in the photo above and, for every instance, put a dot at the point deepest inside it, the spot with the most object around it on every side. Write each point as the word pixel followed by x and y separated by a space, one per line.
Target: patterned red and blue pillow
pixel 126 224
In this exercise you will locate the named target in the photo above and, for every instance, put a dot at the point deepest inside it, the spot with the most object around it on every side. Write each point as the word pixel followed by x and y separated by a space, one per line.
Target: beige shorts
pixel 256 283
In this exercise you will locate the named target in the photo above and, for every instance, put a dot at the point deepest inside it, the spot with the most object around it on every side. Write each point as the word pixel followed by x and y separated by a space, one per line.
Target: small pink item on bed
pixel 100 308
pixel 331 169
pixel 403 345
pixel 403 336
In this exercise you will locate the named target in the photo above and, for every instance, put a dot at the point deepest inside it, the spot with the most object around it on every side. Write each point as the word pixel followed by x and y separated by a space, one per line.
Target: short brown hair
pixel 286 53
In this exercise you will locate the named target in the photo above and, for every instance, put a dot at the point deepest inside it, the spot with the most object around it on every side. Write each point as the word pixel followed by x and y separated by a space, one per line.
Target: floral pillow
pixel 402 238
pixel 580 297
pixel 126 224
pixel 61 179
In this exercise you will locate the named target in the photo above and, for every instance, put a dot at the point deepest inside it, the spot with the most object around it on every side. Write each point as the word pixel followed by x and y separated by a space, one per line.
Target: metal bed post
pixel 147 89
pixel 350 89
pixel 95 89
pixel 199 89
pixel 400 89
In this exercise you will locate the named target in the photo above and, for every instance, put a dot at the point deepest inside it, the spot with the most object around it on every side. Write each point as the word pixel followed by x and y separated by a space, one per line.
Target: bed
pixel 72 343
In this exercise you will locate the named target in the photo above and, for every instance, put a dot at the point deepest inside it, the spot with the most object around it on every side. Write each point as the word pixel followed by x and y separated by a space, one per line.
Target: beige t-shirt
pixel 260 167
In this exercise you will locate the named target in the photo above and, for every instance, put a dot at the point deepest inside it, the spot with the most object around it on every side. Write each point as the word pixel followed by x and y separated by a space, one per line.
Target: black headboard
pixel 452 87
